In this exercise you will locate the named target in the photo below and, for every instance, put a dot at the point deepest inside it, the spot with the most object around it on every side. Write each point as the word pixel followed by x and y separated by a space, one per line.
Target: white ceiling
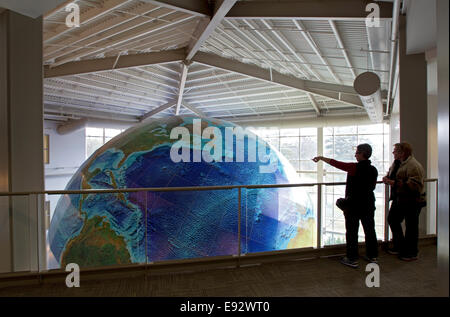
pixel 127 59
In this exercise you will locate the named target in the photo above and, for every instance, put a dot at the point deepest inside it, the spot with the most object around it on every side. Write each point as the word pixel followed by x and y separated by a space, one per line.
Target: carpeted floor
pixel 321 277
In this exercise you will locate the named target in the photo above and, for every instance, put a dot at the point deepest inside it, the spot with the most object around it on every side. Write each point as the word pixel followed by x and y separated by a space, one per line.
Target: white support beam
pixel 69 110
pixel 221 10
pixel 313 10
pixel 345 94
pixel 198 8
pixel 183 76
pixel 86 16
pixel 194 109
pixel 158 110
pixel 102 64
pixel 314 103
pixel 341 46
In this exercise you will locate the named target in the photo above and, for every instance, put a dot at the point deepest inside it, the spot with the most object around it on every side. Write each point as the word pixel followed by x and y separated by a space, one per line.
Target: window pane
pixel 387 148
pixel 275 142
pixel 345 130
pixel 370 129
pixel 290 148
pixel 376 142
pixel 295 164
pixel 345 147
pixel 308 166
pixel 308 178
pixel 92 144
pixel 267 132
pixel 328 144
pixel 308 147
pixel 289 132
pixel 308 131
pixel 110 133
pixel 94 132
pixel 328 131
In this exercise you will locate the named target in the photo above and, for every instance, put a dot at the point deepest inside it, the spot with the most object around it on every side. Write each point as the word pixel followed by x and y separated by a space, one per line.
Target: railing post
pixel 239 224
pixel 146 230
pixel 319 216
pixel 386 212
pixel 437 205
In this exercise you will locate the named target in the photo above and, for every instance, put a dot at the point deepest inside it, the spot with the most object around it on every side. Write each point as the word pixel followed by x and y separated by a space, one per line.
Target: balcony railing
pixel 239 236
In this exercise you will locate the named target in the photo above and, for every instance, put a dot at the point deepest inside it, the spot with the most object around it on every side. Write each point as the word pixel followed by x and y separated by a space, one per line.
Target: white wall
pixel 67 153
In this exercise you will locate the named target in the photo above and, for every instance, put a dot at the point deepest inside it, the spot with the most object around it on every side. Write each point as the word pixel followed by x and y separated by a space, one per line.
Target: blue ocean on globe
pixel 139 227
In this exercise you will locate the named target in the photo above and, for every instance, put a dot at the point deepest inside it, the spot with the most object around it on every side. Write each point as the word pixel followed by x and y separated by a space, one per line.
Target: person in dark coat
pixel 358 204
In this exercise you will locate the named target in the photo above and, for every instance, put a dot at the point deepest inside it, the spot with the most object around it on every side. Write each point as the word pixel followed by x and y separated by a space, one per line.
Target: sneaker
pixel 408 258
pixel 370 259
pixel 352 263
pixel 392 251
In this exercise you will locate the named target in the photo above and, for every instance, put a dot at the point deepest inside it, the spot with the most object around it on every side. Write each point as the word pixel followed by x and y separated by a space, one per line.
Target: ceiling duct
pixel 71 126
pixel 367 85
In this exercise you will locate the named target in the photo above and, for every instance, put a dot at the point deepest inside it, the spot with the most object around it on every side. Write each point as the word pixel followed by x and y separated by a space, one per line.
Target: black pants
pixel 352 218
pixel 406 244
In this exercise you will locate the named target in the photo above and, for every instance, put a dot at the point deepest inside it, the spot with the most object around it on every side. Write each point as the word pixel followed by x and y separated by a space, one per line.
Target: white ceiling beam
pixel 158 110
pixel 222 8
pixel 313 10
pixel 198 8
pixel 82 104
pixel 314 103
pixel 121 83
pixel 80 93
pixel 338 92
pixel 183 76
pixel 72 111
pixel 194 109
pixel 126 61
pixel 341 46
pixel 85 17
pixel 112 89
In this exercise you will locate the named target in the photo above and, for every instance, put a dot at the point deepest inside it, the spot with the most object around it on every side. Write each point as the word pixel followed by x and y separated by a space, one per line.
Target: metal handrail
pixel 227 187
pixel 170 189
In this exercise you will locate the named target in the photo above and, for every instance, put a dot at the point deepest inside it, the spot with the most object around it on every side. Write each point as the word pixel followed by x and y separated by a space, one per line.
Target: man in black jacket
pixel 359 203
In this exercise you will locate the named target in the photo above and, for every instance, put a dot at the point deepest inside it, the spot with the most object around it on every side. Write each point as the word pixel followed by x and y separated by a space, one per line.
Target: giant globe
pixel 97 229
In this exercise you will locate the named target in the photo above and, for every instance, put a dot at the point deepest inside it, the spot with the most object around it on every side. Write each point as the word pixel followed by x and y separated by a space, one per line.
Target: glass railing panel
pixel 379 212
pixel 333 221
pixel 278 219
pixel 192 224
pixel 18 238
pixel 429 212
pixel 97 229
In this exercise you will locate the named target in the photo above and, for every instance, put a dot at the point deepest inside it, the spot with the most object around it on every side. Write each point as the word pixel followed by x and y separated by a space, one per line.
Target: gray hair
pixel 365 149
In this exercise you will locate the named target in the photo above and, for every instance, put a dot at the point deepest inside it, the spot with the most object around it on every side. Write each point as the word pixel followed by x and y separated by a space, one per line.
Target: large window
pixel 340 143
pixel 300 145
pixel 96 137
